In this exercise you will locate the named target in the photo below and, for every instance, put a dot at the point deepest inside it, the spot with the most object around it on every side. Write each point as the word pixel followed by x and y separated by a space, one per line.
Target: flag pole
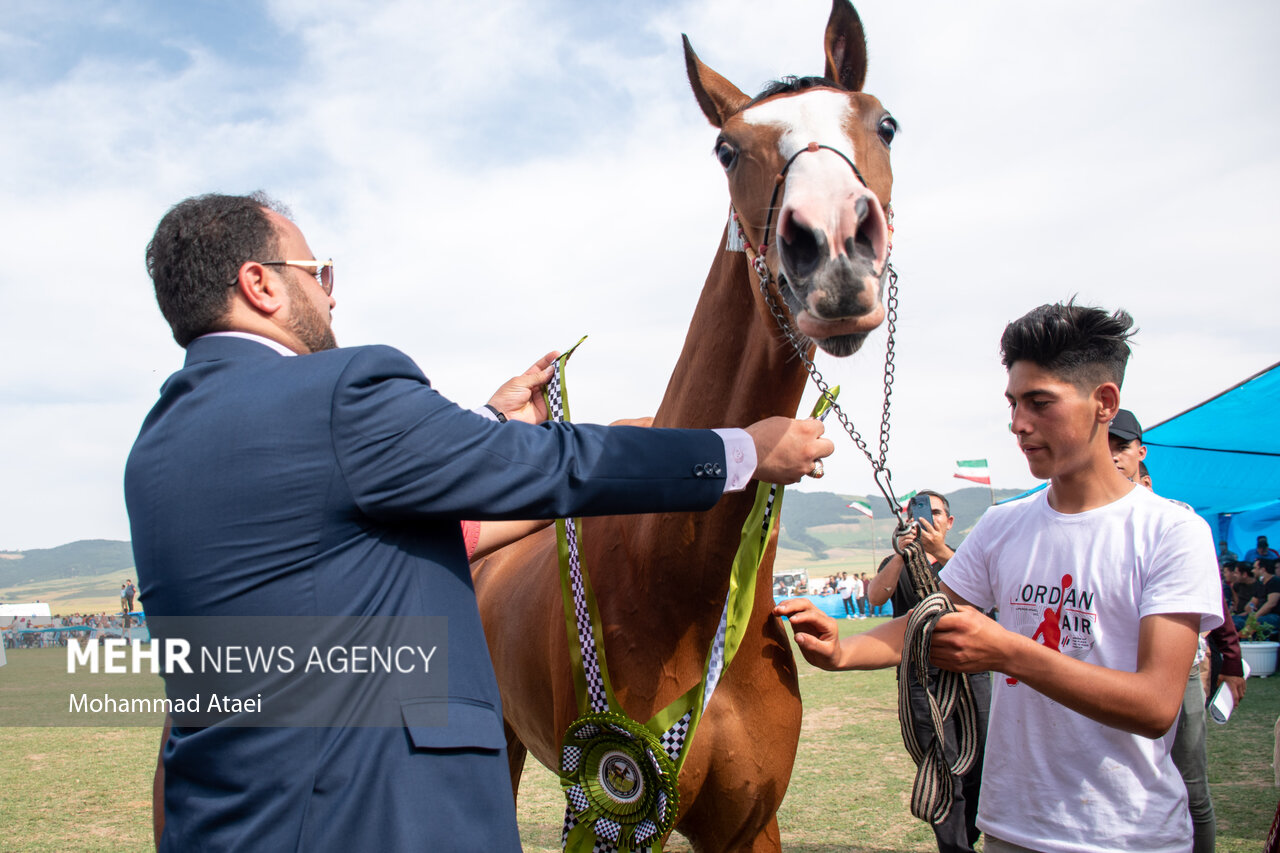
pixel 874 562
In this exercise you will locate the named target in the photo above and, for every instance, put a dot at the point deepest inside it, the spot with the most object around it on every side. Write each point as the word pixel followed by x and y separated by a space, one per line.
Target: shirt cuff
pixel 485 412
pixel 1232 666
pixel 739 458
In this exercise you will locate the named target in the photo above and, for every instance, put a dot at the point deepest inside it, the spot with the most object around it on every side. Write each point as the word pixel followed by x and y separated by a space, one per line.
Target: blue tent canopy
pixel 1224 454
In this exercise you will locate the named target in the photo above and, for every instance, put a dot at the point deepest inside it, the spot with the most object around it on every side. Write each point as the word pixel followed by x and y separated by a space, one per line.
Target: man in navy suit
pixel 279 476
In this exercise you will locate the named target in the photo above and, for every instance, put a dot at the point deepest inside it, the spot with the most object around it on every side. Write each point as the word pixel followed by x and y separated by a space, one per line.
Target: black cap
pixel 1125 426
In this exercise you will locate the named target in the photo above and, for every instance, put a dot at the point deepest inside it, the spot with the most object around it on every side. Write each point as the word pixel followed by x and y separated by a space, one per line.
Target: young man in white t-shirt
pixel 1101 588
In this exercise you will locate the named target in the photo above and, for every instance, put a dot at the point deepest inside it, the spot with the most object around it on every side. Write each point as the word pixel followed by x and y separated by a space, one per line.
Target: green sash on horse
pixel 620 776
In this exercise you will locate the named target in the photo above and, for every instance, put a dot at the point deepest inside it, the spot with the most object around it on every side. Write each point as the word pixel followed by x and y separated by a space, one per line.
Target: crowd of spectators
pixel 852 590
pixel 1252 590
pixel 30 632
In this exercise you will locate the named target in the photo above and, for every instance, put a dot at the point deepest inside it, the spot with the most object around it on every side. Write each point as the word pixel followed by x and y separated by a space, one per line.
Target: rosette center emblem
pixel 619 782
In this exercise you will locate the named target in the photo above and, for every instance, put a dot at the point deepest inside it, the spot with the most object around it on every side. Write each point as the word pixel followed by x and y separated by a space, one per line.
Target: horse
pixel 661 580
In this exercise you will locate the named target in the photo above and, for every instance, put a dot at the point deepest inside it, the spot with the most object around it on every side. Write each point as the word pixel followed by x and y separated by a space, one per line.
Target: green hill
pixel 817 521
pixel 85 558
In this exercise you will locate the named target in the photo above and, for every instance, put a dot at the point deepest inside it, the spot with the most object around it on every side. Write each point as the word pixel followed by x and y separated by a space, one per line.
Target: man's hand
pixel 1236 685
pixel 816 632
pixel 934 539
pixel 968 641
pixel 786 449
pixel 520 398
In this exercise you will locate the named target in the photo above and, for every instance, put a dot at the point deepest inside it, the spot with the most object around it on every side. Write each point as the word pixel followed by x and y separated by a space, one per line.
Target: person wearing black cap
pixel 1125 438
pixel 1189 748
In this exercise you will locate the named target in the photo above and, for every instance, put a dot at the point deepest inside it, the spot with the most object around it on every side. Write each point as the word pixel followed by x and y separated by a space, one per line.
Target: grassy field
pixel 88 789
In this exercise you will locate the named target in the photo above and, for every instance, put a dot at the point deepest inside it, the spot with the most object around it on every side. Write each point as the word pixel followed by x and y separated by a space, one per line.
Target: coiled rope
pixel 934 788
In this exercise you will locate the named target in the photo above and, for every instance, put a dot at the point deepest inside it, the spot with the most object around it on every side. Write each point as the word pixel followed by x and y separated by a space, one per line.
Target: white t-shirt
pixel 846 588
pixel 858 589
pixel 1053 779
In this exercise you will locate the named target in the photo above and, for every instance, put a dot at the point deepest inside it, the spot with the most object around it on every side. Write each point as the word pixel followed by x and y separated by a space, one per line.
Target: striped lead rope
pixel 934 788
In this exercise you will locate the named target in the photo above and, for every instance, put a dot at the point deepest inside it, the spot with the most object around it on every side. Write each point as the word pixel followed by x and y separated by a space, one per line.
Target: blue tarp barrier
pixel 833 605
pixel 137 633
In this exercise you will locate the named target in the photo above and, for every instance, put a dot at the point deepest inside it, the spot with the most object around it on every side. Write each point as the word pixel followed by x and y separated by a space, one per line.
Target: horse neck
pixel 735 369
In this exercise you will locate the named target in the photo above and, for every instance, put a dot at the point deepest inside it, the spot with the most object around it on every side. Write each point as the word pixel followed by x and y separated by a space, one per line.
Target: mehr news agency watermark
pixel 244 671
pixel 174 655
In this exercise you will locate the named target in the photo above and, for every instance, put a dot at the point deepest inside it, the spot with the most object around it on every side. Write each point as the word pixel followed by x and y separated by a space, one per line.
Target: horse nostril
pixel 862 244
pixel 803 249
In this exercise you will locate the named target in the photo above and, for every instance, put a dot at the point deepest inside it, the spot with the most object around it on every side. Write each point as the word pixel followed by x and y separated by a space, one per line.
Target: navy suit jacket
pixel 332 484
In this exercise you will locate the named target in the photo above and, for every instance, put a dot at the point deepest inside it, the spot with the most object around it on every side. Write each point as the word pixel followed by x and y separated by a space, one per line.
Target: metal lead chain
pixel 880 470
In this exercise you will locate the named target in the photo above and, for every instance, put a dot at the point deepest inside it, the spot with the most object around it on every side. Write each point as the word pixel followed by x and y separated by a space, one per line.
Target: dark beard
pixel 308 324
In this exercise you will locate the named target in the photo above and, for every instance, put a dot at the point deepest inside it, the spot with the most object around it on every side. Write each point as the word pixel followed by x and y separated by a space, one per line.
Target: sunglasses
pixel 321 270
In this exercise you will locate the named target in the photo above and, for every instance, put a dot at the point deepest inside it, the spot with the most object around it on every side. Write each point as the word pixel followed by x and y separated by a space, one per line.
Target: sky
pixel 494 181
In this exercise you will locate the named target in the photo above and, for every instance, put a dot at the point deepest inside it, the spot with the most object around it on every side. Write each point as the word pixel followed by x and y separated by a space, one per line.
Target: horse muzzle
pixel 835 270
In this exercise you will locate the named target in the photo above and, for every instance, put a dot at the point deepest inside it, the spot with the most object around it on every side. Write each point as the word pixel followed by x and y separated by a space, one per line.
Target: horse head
pixel 808 161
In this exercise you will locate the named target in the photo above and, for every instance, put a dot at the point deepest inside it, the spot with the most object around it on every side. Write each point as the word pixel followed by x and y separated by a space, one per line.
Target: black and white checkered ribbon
pixel 597 696
pixel 715 666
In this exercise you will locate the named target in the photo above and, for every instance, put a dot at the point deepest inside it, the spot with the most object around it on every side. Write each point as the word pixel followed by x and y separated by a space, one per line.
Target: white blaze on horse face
pixel 832 235
pixel 821 190
pixel 817 115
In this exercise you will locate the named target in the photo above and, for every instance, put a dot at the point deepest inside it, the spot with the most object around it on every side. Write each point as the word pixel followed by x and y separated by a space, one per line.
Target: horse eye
pixel 888 127
pixel 726 154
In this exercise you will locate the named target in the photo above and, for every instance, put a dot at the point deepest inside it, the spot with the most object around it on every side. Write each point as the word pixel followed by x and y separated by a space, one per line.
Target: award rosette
pixel 619 781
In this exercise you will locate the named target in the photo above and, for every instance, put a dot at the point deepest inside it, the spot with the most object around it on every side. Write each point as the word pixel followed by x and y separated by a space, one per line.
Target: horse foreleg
pixel 516 753
pixel 728 838
pixel 739 816
pixel 768 840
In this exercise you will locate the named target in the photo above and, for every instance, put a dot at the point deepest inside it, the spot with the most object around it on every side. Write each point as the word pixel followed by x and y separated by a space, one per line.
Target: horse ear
pixel 846 47
pixel 718 98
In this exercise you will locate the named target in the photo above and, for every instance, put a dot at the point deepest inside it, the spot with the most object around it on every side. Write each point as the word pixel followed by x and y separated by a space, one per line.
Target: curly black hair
pixel 196 254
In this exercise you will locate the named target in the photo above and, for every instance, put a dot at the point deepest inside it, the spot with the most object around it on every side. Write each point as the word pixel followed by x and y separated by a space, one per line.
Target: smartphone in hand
pixel 921 508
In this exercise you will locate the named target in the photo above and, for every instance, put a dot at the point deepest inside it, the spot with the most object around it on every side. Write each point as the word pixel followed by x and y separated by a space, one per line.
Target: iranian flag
pixel 863 507
pixel 973 469
pixel 906 499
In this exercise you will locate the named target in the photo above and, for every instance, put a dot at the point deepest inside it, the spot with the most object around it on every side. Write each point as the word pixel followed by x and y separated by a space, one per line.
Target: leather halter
pixel 757 259
pixel 782 179
pixel 879 467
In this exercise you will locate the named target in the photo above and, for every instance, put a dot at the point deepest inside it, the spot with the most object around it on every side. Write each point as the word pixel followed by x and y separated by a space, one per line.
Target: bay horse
pixel 660 580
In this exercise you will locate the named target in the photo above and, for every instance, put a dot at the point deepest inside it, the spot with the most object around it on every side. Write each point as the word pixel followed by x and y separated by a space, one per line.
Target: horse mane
pixel 789 85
